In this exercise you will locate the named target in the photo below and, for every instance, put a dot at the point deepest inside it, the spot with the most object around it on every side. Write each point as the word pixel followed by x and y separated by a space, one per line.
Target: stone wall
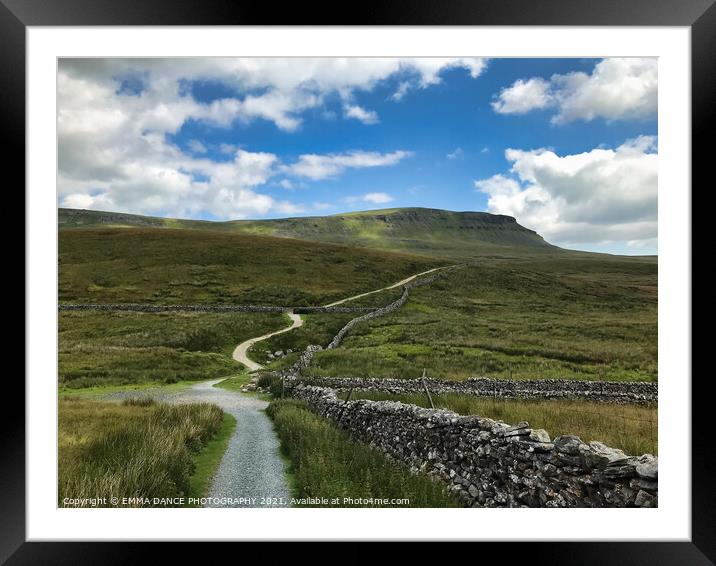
pixel 487 463
pixel 395 305
pixel 136 307
pixel 615 392
pixel 337 309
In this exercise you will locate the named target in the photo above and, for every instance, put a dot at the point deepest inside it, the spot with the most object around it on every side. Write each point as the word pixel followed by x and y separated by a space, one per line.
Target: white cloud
pixel 115 117
pixel 523 96
pixel 228 148
pixel 361 114
pixel 604 195
pixel 401 91
pixel 457 154
pixel 113 147
pixel 196 146
pixel 377 198
pixel 318 167
pixel 616 89
pixel 286 184
pixel 427 71
pixel 287 86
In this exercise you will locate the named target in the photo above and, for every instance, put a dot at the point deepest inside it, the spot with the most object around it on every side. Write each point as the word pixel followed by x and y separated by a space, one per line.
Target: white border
pixel 671 521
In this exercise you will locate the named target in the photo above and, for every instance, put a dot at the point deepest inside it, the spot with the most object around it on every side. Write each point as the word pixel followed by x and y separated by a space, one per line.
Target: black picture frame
pixel 699 15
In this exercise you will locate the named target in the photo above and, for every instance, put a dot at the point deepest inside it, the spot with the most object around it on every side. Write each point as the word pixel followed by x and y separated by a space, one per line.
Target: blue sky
pixel 567 146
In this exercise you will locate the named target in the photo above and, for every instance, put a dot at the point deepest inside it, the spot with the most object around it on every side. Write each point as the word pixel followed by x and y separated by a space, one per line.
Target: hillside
pixel 424 231
pixel 175 266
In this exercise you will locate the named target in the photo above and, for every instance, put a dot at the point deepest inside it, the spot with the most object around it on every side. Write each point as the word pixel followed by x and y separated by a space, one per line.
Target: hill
pixel 175 266
pixel 425 231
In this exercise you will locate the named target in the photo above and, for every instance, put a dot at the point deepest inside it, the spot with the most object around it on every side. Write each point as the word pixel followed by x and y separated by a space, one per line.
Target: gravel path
pixel 393 286
pixel 240 352
pixel 251 472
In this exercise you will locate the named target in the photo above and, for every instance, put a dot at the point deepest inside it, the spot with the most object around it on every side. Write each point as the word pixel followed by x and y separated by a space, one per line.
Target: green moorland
pixel 425 231
pixel 179 266
pixel 325 462
pixel 122 348
pixel 137 449
pixel 577 317
pixel 629 427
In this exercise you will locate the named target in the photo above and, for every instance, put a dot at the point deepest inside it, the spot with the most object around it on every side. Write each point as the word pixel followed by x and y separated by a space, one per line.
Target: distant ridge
pixel 420 230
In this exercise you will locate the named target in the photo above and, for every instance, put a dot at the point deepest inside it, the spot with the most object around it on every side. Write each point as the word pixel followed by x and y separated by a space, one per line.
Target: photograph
pixel 358 282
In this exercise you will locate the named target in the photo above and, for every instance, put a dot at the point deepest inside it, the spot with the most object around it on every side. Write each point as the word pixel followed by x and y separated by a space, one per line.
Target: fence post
pixel 345 402
pixel 425 386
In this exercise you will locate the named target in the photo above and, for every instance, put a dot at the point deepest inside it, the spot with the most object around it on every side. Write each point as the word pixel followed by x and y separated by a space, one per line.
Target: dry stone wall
pixel 395 305
pixel 138 307
pixel 638 393
pixel 488 463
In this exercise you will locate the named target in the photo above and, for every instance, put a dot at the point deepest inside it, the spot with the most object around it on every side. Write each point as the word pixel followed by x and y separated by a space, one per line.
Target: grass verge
pixel 138 450
pixel 207 461
pixel 327 463
pixel 632 428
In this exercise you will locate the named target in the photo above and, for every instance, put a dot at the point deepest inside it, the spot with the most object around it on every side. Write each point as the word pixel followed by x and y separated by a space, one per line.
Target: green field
pixel 182 266
pixel 628 427
pixel 574 318
pixel 121 348
pixel 325 462
pixel 135 449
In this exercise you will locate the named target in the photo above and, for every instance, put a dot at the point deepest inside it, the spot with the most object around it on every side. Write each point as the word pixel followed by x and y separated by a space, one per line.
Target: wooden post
pixel 345 402
pixel 425 386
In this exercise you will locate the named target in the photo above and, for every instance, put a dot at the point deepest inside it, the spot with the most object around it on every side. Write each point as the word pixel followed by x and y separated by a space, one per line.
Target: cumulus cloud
pixel 603 195
pixel 361 114
pixel 377 198
pixel 616 89
pixel 196 146
pixel 116 118
pixel 317 167
pixel 523 96
pixel 426 71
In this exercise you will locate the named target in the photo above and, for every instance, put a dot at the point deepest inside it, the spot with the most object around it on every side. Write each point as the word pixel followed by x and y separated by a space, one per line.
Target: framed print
pixel 412 277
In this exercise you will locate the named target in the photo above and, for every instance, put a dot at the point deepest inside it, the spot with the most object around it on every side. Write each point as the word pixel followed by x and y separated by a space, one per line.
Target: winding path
pixel 240 353
pixel 393 286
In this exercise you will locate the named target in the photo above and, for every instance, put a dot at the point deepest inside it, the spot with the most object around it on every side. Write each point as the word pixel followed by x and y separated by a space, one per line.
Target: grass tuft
pixel 130 450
